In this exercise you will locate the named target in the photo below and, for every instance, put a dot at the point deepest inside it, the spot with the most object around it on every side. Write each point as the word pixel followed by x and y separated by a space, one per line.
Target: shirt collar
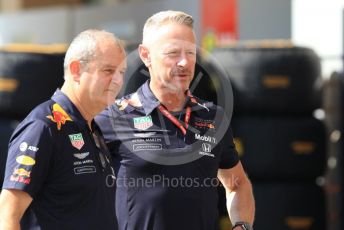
pixel 60 98
pixel 150 102
pixel 147 98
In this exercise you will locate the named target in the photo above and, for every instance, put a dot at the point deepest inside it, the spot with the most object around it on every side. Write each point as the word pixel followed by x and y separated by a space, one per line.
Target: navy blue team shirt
pixel 53 157
pixel 166 180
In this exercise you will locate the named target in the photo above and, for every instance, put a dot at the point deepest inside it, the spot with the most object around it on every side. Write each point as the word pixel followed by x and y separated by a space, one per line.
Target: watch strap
pixel 243 225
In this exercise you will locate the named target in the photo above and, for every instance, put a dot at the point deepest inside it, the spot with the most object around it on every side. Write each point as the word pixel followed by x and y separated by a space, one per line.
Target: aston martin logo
pixel 81 155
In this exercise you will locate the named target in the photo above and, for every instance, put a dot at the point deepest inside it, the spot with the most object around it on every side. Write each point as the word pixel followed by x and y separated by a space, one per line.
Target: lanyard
pixel 174 120
pixel 104 155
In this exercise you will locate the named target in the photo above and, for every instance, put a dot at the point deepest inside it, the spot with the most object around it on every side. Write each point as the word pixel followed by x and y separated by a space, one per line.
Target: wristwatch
pixel 243 225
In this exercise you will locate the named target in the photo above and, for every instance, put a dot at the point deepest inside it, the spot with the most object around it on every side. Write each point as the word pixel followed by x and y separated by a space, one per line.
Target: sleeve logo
pixel 21 175
pixel 25 160
pixel 24 146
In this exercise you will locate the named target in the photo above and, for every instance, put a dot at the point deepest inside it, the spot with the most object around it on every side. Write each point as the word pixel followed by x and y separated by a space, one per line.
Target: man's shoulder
pixel 206 105
pixel 36 122
pixel 41 112
pixel 48 114
pixel 209 111
pixel 120 108
pixel 125 105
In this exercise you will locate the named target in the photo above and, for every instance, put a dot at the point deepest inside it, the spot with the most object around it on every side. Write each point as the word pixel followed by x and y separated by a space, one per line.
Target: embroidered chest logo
pixel 59 116
pixel 81 155
pixel 205 138
pixel 205 124
pixel 143 123
pixel 77 140
pixel 206 147
pixel 206 150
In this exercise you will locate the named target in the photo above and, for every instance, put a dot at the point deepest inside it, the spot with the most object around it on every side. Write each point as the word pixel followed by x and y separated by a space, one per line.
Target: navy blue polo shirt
pixel 53 157
pixel 166 180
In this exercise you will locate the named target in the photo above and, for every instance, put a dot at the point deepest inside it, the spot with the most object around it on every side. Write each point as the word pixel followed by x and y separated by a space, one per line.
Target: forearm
pixel 13 204
pixel 9 220
pixel 240 203
pixel 7 223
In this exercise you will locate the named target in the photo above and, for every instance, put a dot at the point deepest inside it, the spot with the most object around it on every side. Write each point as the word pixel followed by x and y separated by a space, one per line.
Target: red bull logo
pixel 204 125
pixel 21 175
pixel 59 116
pixel 20 179
pixel 21 172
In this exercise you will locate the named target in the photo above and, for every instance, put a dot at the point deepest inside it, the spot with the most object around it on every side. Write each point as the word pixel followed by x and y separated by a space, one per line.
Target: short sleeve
pixel 29 157
pixel 229 155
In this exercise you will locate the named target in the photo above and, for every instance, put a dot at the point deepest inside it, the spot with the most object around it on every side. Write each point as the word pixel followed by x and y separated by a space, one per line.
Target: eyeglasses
pixel 103 153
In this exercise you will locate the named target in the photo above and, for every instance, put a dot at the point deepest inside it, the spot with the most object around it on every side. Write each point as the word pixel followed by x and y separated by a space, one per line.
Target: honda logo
pixel 206 147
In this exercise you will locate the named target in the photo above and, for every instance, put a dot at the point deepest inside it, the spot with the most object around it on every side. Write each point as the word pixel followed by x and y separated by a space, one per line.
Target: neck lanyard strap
pixel 174 120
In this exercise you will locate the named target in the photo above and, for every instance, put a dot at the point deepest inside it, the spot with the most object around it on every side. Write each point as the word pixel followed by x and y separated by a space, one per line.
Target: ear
pixel 145 55
pixel 75 70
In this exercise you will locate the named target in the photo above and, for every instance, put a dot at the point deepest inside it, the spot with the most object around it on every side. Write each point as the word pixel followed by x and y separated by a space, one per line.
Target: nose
pixel 117 78
pixel 183 61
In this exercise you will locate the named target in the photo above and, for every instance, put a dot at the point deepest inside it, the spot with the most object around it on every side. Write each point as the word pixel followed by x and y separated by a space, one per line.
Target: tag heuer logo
pixel 143 123
pixel 77 140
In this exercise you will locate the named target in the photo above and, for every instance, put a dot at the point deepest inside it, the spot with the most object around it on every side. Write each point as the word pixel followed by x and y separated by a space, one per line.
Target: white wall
pixel 318 24
pixel 126 20
pixel 61 24
pixel 264 19
pixel 51 25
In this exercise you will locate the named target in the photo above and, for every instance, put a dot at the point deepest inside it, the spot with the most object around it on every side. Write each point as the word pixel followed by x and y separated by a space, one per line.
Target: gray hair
pixel 84 46
pixel 165 17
